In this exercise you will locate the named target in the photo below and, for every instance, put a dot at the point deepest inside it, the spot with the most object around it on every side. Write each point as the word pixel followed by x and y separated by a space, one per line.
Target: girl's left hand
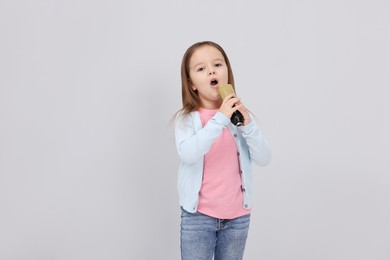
pixel 244 112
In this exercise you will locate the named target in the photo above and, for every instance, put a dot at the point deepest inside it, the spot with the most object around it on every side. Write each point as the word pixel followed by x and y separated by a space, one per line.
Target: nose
pixel 211 72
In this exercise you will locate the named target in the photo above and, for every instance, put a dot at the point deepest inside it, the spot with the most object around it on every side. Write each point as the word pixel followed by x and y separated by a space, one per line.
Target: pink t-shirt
pixel 220 195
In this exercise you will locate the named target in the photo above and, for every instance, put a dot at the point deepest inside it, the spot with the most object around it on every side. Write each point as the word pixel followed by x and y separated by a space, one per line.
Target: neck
pixel 211 105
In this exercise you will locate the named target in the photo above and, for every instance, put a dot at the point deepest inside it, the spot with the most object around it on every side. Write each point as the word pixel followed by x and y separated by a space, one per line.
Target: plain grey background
pixel 88 164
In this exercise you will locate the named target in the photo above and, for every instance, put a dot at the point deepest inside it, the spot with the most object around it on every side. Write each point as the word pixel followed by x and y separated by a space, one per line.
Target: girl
pixel 215 176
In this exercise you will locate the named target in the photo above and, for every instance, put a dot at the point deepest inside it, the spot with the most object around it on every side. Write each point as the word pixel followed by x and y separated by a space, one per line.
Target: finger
pixel 244 111
pixel 243 108
pixel 233 101
pixel 228 97
pixel 239 102
pixel 237 107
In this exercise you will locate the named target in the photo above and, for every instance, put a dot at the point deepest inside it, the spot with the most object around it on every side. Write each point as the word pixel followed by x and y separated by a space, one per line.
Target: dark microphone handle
pixel 237 118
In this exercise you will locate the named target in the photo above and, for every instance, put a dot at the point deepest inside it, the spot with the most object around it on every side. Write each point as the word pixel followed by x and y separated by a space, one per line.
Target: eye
pixel 200 69
pixel 218 64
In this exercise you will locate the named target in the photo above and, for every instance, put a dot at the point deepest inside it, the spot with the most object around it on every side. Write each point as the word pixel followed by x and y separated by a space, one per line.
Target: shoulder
pixel 183 117
pixel 183 120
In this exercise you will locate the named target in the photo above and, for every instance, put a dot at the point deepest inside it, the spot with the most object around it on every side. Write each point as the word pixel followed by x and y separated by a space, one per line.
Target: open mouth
pixel 214 82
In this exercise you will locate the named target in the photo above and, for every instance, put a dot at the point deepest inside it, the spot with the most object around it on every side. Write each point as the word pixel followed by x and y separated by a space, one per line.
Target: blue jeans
pixel 202 237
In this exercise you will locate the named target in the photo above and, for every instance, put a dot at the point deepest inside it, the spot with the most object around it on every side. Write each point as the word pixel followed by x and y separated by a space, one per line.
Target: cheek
pixel 226 75
pixel 225 72
pixel 195 80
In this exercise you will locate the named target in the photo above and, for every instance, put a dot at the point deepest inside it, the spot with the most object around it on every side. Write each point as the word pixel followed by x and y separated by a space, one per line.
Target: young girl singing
pixel 215 175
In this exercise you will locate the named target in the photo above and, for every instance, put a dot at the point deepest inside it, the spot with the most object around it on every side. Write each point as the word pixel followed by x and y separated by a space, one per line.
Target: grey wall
pixel 87 158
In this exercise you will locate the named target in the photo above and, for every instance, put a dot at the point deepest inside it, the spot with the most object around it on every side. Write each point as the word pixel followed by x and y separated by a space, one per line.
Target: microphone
pixel 237 118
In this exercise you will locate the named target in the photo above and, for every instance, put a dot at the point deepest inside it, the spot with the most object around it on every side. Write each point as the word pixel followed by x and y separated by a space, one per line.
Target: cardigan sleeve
pixel 259 149
pixel 192 140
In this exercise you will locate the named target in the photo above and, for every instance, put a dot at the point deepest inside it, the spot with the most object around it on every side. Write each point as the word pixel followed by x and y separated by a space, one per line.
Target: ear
pixel 191 85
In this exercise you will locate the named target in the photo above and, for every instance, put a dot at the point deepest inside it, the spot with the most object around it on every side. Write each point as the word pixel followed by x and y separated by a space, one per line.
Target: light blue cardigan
pixel 193 141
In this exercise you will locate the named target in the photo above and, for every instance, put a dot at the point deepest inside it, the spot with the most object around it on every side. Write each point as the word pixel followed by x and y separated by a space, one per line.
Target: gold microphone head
pixel 225 90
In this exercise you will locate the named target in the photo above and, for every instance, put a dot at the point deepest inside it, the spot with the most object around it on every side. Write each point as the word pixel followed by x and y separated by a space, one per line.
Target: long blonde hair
pixel 190 97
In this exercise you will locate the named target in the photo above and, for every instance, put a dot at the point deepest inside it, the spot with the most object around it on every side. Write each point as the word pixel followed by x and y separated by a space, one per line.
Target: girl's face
pixel 208 70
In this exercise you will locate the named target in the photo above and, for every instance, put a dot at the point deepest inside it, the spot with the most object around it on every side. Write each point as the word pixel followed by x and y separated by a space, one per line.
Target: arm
pixel 259 149
pixel 193 144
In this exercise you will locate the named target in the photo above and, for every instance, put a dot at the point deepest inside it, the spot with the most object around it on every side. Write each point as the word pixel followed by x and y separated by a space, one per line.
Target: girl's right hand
pixel 228 106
